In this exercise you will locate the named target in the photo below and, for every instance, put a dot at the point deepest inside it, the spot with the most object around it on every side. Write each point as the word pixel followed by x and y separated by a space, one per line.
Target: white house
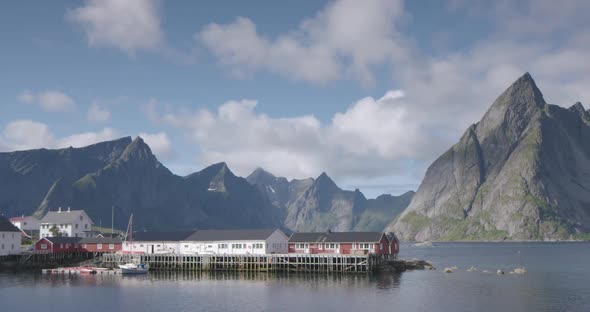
pixel 74 223
pixel 237 242
pixel 155 242
pixel 10 238
pixel 26 223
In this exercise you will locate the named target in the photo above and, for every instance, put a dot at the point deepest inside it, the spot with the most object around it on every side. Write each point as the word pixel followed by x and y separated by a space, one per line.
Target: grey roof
pixel 160 236
pixel 100 240
pixel 64 240
pixel 63 217
pixel 336 237
pixel 229 235
pixel 7 226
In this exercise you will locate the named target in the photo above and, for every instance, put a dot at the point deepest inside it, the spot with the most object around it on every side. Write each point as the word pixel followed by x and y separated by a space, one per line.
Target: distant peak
pixel 261 176
pixel 325 181
pixel 577 107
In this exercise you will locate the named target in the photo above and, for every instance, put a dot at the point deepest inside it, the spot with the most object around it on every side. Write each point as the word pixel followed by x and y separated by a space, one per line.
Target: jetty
pixel 260 263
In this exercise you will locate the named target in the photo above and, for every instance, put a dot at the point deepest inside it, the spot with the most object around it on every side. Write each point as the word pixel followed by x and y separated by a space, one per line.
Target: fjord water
pixel 557 280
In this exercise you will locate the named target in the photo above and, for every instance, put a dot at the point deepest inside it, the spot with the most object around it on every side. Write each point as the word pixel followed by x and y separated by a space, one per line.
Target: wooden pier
pixel 44 260
pixel 253 263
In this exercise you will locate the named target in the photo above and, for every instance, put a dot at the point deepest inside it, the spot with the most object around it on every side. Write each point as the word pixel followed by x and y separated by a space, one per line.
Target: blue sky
pixel 370 92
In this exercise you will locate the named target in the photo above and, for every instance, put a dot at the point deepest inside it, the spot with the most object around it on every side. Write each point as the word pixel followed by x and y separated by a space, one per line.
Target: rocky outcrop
pixel 522 172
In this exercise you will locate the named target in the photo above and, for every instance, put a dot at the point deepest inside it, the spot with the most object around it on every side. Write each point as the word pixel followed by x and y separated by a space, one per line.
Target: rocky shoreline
pixel 402 265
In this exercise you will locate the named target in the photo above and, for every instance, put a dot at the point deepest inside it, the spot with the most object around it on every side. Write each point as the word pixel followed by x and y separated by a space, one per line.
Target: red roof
pixel 14 219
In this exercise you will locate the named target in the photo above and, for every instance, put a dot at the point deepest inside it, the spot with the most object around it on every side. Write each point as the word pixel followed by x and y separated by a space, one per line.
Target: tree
pixel 55 231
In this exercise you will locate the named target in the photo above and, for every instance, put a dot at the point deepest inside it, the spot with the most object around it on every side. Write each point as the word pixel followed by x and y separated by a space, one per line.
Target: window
pixel 258 246
pixel 67 245
pixel 236 246
pixel 81 218
pixel 86 226
pixel 12 246
pixel 222 246
pixel 320 246
pixel 43 246
pixel 84 246
pixel 158 245
pixel 185 246
pixel 76 225
pixel 24 223
pixel 61 246
pixel 111 246
pixel 98 246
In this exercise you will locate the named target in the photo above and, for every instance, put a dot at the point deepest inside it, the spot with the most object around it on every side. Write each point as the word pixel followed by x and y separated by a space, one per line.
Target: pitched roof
pixel 63 240
pixel 7 226
pixel 63 217
pixel 100 240
pixel 22 218
pixel 161 236
pixel 336 237
pixel 230 235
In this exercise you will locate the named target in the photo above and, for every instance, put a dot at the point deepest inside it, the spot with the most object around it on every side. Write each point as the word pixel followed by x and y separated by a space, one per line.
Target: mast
pixel 131 232
pixel 112 220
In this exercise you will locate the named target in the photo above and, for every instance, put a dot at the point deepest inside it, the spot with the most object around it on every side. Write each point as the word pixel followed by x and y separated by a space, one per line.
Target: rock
pixel 521 271
pixel 423 244
pixel 500 272
pixel 454 268
pixel 448 270
pixel 485 271
pixel 401 265
pixel 472 269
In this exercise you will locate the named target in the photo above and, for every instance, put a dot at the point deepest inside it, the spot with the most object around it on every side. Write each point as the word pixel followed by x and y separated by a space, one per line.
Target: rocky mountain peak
pixel 261 176
pixel 324 182
pixel 138 152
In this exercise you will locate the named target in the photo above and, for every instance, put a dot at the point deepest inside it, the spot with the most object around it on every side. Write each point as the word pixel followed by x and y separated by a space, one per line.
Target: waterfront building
pixel 70 223
pixel 27 224
pixel 51 244
pixel 155 242
pixel 343 243
pixel 10 238
pixel 237 242
pixel 100 244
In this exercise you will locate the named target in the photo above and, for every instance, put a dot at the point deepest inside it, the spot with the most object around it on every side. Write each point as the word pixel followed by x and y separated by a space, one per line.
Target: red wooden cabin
pixel 344 243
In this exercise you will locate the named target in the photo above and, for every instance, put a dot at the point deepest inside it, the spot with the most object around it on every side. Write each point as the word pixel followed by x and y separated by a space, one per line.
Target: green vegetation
pixel 86 183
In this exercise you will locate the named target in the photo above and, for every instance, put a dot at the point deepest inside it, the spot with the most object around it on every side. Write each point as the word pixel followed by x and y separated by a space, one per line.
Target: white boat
pixel 135 266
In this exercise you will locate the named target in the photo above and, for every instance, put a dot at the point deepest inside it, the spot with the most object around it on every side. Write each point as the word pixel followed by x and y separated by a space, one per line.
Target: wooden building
pixel 70 223
pixel 345 243
pixel 10 238
pixel 235 242
pixel 57 244
pixel 100 244
pixel 155 242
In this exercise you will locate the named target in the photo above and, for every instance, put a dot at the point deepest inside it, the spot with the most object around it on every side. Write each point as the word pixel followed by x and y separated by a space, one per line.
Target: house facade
pixel 70 223
pixel 343 243
pixel 155 242
pixel 57 244
pixel 237 242
pixel 10 238
pixel 100 244
pixel 27 224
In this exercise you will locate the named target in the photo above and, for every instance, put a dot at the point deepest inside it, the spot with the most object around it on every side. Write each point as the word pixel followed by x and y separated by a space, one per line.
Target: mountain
pixel 125 174
pixel 522 172
pixel 320 205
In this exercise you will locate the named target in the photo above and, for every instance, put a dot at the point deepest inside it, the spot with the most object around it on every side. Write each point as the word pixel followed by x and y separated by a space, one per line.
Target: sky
pixel 371 92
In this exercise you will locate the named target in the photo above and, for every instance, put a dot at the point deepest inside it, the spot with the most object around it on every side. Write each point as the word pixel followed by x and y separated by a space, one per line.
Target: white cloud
pixel 49 101
pixel 346 39
pixel 97 113
pixel 129 25
pixel 360 141
pixel 29 134
pixel 160 144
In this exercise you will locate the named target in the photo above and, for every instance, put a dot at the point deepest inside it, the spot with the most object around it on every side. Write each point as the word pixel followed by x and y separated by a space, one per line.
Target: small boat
pixel 135 266
pixel 87 270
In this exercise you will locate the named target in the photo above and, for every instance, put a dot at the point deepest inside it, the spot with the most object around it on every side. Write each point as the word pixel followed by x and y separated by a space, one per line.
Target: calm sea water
pixel 558 279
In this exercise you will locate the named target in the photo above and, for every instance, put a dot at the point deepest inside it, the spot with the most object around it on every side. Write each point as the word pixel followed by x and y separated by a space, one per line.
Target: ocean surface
pixel 558 279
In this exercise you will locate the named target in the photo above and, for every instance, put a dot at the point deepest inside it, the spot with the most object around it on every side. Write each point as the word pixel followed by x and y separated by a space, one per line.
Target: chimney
pixel 329 231
pixel 68 208
pixel 59 209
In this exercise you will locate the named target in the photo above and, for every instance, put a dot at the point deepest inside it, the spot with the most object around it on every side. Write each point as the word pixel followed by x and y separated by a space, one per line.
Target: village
pixel 70 234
